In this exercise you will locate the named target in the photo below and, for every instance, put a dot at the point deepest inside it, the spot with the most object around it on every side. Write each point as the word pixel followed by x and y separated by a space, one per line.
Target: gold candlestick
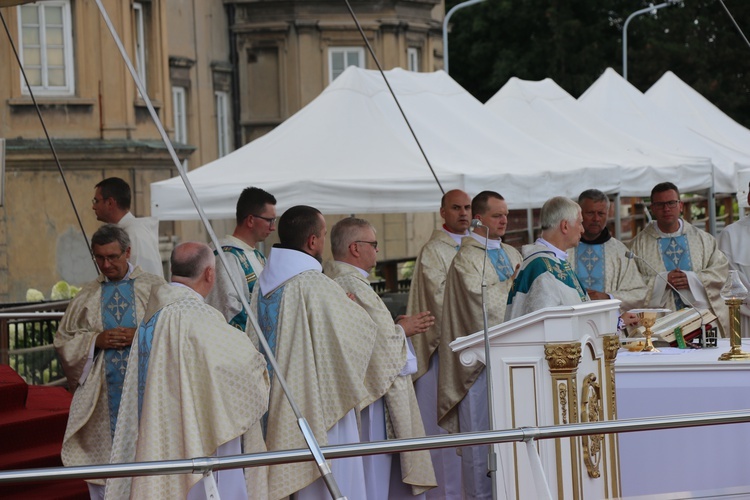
pixel 735 352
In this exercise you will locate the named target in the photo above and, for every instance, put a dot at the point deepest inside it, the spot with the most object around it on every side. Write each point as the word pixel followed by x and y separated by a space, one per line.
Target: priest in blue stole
pixel 462 390
pixel 685 256
pixel 93 342
pixel 599 259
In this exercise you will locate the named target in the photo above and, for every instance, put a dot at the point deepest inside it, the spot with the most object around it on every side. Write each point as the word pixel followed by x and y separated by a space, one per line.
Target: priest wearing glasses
pixel 684 255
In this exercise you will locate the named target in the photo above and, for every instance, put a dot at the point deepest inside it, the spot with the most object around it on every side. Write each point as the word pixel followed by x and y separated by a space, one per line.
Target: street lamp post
pixel 652 9
pixel 445 28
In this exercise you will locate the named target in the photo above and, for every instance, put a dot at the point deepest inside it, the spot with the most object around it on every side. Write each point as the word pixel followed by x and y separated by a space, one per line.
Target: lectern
pixel 553 367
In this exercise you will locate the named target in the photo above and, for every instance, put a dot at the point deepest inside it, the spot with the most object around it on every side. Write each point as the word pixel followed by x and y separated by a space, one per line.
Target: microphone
pixel 631 255
pixel 475 223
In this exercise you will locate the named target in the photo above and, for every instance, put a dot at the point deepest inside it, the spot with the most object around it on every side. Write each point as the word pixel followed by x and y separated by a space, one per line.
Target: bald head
pixel 455 209
pixel 193 265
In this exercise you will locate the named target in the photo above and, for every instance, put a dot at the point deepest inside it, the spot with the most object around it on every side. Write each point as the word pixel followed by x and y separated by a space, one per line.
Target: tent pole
pixel 618 217
pixel 711 223
pixel 530 225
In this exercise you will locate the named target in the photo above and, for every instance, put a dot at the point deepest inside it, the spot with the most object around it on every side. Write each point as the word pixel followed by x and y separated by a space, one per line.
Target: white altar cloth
pixel 681 382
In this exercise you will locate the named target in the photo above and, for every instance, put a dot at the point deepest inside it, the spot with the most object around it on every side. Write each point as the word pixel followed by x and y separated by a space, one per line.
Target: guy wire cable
pixel 305 429
pixel 49 141
pixel 380 68
pixel 735 22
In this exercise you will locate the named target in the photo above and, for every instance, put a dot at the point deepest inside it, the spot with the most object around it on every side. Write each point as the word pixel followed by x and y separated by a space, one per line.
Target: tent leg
pixel 530 225
pixel 618 217
pixel 711 224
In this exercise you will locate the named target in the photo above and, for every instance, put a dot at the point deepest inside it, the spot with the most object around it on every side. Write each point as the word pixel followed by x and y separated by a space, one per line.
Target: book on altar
pixel 687 319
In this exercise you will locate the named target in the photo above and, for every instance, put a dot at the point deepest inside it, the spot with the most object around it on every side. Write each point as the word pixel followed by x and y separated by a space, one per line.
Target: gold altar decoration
pixel 734 294
pixel 592 411
pixel 648 318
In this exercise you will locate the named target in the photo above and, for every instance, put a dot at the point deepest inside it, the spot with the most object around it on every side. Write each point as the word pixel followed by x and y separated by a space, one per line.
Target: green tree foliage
pixel 574 41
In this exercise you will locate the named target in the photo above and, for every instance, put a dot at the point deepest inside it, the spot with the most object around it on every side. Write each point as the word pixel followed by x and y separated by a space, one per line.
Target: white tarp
pixel 350 151
pixel 617 102
pixel 701 116
pixel 543 108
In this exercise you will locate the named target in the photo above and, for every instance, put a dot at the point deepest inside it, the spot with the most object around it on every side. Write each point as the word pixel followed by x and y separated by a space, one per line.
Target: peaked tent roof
pixel 616 101
pixel 545 109
pixel 349 150
pixel 701 116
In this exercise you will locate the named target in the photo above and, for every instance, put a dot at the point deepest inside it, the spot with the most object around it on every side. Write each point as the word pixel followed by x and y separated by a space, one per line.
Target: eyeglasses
pixel 271 220
pixel 108 258
pixel 373 243
pixel 662 204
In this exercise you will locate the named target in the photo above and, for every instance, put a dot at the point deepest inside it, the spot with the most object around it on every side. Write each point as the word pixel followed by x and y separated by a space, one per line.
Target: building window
pixel 222 123
pixel 47 47
pixel 340 58
pixel 139 35
pixel 412 58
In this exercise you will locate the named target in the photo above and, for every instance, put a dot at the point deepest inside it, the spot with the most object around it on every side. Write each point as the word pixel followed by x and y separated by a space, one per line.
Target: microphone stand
pixel 491 455
pixel 631 255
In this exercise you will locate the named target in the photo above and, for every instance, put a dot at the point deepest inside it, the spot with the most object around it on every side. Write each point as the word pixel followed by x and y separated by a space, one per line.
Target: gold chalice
pixel 648 318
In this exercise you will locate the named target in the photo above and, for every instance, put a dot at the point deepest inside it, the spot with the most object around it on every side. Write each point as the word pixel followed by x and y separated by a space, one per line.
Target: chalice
pixel 648 318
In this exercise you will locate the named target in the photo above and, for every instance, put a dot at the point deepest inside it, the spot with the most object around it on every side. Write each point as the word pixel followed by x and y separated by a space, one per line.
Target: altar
pixel 682 381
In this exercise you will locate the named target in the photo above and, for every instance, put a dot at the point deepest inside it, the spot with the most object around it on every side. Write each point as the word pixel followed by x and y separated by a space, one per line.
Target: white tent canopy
pixel 616 101
pixel 350 150
pixel 701 116
pixel 545 109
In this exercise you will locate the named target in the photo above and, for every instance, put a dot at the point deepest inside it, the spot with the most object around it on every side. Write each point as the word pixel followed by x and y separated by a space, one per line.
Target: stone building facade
pixel 220 73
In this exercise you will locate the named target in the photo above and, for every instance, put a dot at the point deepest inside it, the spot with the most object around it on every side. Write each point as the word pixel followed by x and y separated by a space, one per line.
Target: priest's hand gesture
pixel 115 338
pixel 416 323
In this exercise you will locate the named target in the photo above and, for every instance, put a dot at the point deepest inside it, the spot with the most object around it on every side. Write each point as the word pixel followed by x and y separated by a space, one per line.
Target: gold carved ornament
pixel 592 411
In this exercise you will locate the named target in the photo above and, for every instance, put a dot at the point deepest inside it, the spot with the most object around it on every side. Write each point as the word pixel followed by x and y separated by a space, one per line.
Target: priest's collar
pixel 491 244
pixel 603 237
pixel 558 253
pixel 284 264
pixel 238 242
pixel 127 275
pixel 183 285
pixel 662 234
pixel 456 237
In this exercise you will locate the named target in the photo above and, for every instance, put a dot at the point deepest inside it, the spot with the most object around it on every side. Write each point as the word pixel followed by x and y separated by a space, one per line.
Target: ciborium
pixel 647 319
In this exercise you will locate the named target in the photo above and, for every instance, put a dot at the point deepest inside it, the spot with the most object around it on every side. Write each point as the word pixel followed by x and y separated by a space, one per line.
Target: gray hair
pixel 594 195
pixel 557 209
pixel 190 259
pixel 344 233
pixel 110 233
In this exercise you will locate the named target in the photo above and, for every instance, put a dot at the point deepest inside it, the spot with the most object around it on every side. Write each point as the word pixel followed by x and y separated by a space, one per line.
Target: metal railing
pixel 26 342
pixel 525 434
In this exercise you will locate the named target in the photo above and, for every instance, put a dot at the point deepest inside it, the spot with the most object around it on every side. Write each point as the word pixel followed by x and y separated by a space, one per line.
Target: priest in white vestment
pixel 93 341
pixel 462 390
pixel 256 220
pixel 546 278
pixel 734 241
pixel 599 259
pixel 685 256
pixel 111 204
pixel 197 388
pixel 426 294
pixel 396 415
pixel 323 342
